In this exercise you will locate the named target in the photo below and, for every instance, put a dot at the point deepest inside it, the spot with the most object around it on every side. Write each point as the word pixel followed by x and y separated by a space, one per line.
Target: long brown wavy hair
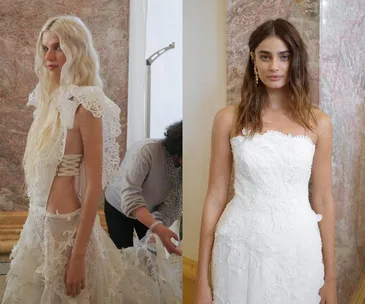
pixel 253 98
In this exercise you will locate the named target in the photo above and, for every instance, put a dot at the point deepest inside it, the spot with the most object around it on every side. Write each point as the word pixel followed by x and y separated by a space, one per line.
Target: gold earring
pixel 256 75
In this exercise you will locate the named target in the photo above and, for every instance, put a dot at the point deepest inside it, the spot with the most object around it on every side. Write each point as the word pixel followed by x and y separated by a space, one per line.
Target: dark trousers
pixel 181 229
pixel 121 227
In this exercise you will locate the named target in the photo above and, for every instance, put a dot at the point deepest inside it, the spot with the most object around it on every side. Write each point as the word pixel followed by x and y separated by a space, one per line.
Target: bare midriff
pixel 63 197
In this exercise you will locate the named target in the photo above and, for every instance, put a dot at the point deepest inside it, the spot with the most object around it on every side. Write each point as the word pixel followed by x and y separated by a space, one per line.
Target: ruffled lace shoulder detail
pixel 33 97
pixel 93 99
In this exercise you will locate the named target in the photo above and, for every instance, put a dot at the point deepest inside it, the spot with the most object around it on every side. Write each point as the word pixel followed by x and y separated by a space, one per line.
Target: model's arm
pixel 322 201
pixel 92 139
pixel 91 133
pixel 217 194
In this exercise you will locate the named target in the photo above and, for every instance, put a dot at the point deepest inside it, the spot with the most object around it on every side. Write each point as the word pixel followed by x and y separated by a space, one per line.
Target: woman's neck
pixel 277 99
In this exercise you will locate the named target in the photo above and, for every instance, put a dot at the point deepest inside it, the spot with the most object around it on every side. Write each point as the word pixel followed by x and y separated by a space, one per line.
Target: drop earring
pixel 256 75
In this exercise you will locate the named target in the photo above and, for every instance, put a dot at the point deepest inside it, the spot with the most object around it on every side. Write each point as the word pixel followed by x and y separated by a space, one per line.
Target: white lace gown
pixel 39 259
pixel 267 247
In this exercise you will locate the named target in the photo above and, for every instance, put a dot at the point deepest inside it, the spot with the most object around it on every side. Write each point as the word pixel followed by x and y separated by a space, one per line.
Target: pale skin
pixel 164 233
pixel 271 57
pixel 54 58
pixel 84 138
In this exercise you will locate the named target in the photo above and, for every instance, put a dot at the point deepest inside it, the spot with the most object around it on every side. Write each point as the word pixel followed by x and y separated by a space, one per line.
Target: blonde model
pixel 64 255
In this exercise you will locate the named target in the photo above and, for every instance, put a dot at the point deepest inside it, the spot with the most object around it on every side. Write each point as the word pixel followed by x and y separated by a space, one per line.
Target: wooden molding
pixel 189 268
pixel 359 297
pixel 11 224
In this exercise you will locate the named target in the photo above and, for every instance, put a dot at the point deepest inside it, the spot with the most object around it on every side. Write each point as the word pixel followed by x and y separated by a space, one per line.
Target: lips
pixel 275 77
pixel 52 66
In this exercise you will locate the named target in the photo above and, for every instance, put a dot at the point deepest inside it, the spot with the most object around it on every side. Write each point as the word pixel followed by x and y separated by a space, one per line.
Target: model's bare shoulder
pixel 225 118
pixel 324 124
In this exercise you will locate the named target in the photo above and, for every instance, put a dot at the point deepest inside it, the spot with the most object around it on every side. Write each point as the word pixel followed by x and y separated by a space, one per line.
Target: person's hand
pixel 165 235
pixel 203 293
pixel 328 292
pixel 75 275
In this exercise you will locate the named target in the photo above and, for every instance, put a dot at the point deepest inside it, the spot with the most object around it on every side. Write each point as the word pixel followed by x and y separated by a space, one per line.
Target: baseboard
pixel 11 224
pixel 359 297
pixel 189 268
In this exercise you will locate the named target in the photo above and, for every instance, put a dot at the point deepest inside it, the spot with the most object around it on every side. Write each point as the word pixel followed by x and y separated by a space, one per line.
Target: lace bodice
pixel 272 165
pixel 67 100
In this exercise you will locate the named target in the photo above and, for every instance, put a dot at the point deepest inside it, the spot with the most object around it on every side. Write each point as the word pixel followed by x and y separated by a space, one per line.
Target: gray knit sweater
pixel 147 177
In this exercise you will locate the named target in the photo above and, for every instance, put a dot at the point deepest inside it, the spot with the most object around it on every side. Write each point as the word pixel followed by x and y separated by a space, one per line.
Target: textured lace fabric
pixel 267 247
pixel 94 100
pixel 70 165
pixel 39 259
pixel 156 275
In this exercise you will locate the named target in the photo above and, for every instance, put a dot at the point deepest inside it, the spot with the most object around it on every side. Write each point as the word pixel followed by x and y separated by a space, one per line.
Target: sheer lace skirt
pixel 132 276
pixel 39 260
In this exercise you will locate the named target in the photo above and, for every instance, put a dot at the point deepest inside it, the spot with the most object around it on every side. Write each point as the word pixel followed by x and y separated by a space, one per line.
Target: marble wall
pixel 20 23
pixel 338 82
pixel 343 98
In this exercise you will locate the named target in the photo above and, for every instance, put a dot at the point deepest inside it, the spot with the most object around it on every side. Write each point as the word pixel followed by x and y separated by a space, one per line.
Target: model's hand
pixel 75 275
pixel 328 292
pixel 165 235
pixel 203 293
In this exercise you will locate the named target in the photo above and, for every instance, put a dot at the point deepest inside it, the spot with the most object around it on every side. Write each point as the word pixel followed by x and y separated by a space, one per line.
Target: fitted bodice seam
pixel 282 134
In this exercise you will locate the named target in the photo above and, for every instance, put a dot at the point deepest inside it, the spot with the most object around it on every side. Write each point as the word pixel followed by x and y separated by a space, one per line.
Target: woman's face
pixel 272 60
pixel 53 56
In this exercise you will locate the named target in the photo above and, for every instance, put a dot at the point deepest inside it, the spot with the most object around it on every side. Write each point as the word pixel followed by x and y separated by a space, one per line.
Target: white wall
pixel 164 25
pixel 154 24
pixel 204 93
pixel 136 71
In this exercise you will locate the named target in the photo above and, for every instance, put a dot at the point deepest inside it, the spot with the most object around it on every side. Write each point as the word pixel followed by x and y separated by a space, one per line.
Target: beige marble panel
pixel 20 23
pixel 343 98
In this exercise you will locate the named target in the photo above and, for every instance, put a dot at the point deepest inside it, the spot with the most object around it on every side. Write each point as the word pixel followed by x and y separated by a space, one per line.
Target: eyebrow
pixel 53 44
pixel 268 53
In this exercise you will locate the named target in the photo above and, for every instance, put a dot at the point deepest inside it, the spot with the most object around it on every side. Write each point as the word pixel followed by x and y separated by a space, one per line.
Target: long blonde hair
pixel 81 68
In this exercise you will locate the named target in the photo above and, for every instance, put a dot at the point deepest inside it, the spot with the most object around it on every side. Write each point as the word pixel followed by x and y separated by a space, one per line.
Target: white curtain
pixel 137 71
pixel 154 24
pixel 164 25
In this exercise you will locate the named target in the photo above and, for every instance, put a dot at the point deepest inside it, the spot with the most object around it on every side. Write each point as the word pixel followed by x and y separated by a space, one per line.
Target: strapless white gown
pixel 267 247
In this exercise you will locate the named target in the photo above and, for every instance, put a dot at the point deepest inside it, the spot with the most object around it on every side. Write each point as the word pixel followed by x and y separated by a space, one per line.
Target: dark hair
pixel 173 139
pixel 253 97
